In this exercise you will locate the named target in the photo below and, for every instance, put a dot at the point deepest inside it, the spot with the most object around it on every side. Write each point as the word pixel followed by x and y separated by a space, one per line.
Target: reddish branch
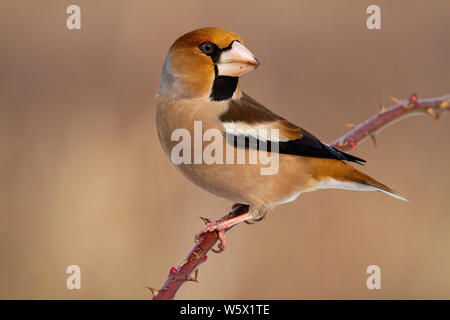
pixel 405 108
pixel 412 106
pixel 178 275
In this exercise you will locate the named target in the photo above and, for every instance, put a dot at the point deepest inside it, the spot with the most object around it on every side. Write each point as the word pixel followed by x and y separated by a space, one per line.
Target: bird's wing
pixel 246 117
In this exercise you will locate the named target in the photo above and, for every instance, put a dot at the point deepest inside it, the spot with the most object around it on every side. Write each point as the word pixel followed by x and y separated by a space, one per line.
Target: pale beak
pixel 236 61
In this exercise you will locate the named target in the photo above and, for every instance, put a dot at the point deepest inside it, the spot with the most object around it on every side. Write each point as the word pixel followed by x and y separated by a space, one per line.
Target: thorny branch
pixel 367 129
pixel 402 109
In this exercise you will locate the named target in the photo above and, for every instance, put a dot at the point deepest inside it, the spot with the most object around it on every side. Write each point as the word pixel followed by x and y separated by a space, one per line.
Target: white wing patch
pixel 260 131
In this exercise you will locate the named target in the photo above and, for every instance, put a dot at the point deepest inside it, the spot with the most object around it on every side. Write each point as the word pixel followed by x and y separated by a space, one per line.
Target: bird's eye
pixel 207 48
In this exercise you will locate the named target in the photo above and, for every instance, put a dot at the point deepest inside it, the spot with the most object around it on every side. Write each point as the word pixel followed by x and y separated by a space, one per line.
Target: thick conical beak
pixel 236 61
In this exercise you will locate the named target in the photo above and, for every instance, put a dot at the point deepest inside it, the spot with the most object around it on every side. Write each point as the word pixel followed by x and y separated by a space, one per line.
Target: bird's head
pixel 205 63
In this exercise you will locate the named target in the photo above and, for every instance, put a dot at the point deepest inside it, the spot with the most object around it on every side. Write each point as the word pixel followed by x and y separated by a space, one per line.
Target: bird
pixel 200 84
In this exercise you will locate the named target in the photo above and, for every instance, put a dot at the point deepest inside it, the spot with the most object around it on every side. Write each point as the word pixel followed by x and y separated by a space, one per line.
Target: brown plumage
pixel 199 82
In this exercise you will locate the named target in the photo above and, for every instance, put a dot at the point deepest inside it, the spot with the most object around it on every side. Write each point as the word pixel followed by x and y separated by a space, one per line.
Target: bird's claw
pixel 213 225
pixel 220 248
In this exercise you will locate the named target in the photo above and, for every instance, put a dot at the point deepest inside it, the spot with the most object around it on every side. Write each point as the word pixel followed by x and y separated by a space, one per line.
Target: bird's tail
pixel 385 189
pixel 339 175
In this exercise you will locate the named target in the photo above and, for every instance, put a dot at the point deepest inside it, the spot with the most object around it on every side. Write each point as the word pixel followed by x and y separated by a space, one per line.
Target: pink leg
pixel 221 226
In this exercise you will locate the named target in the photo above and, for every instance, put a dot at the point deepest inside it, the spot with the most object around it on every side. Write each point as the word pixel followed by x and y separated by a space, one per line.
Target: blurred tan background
pixel 83 179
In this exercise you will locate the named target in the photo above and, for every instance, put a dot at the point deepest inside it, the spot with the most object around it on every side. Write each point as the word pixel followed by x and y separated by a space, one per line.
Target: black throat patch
pixel 223 88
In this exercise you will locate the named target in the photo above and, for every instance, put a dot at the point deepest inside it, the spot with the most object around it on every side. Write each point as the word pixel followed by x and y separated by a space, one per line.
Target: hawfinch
pixel 199 94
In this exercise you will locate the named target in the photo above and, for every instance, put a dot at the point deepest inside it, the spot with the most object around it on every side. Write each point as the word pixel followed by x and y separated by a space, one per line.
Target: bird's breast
pixel 191 134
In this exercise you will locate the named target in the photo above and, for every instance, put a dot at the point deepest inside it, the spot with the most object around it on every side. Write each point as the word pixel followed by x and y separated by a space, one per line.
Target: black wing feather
pixel 307 146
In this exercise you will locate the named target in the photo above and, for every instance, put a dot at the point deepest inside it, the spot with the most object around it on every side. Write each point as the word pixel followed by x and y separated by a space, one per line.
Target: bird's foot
pixel 220 227
pixel 213 225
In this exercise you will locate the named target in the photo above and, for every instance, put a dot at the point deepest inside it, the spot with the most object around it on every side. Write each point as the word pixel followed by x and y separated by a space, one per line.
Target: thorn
pixel 173 270
pixel 193 279
pixel 395 100
pixel 352 144
pixel 374 140
pixel 382 108
pixel 219 250
pixel 433 114
pixel 153 291
pixel 205 220
pixel 350 125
